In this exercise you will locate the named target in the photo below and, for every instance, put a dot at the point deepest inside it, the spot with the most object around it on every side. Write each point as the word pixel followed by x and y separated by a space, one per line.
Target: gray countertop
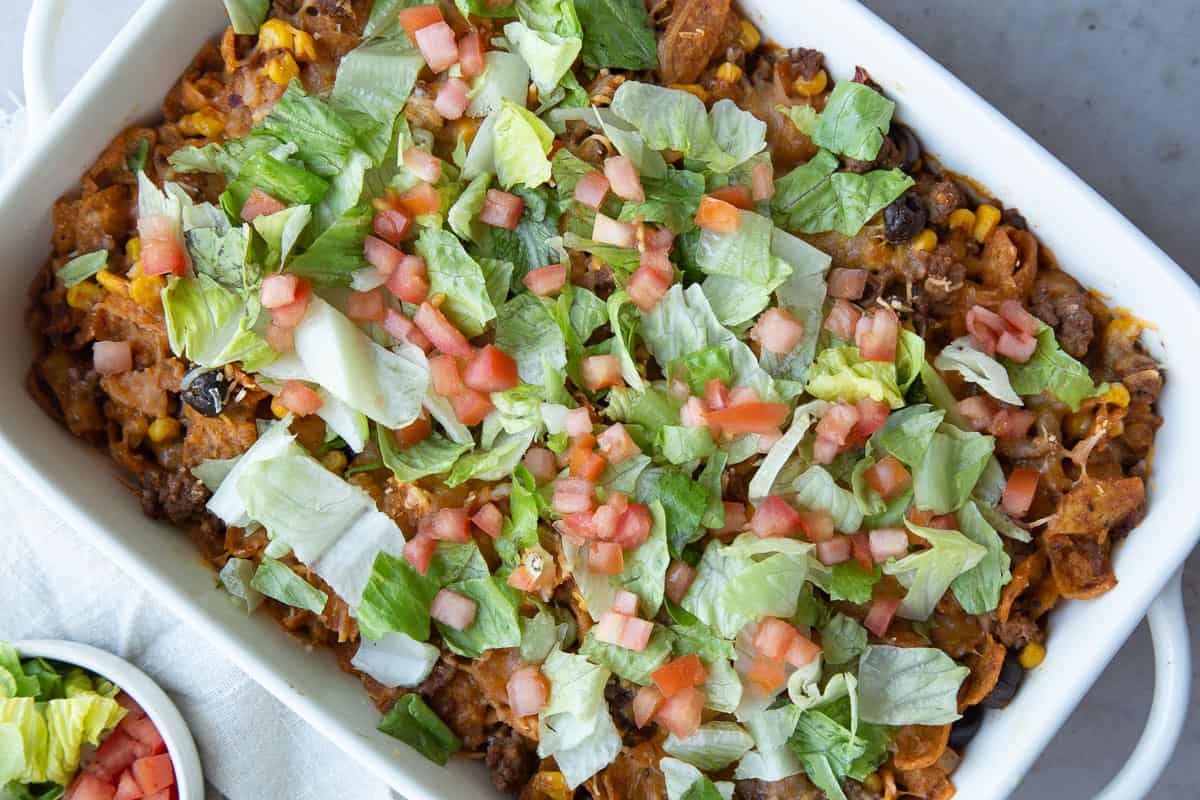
pixel 1112 87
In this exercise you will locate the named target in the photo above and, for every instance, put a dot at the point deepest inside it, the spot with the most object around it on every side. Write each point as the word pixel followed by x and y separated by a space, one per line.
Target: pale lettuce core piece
pixel 396 659
pixel 908 686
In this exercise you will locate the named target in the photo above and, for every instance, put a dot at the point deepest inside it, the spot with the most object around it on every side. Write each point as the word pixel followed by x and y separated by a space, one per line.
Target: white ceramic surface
pixel 135 683
pixel 1113 257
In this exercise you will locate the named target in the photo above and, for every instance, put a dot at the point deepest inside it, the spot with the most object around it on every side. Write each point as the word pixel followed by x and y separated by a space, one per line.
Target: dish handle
pixel 1168 711
pixel 43 25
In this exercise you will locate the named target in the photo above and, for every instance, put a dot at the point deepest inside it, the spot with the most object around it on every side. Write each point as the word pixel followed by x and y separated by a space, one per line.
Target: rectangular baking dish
pixel 1090 238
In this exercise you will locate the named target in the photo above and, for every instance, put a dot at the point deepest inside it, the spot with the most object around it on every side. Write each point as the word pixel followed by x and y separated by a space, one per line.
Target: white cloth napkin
pixel 54 585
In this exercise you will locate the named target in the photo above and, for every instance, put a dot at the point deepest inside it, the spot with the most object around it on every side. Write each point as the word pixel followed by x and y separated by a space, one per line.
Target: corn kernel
pixel 925 240
pixel 133 249
pixel 82 295
pixel 334 461
pixel 815 85
pixel 1032 655
pixel 206 122
pixel 303 45
pixel 114 283
pixel 275 34
pixel 279 409
pixel 1116 395
pixel 283 69
pixel 872 783
pixel 163 429
pixel 146 290
pixel 963 219
pixel 729 72
pixel 692 88
pixel 986 219
pixel 749 37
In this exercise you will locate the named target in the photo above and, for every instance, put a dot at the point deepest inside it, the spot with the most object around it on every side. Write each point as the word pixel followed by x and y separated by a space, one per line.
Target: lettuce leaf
pixel 236 577
pixel 978 589
pixel 907 433
pixel 843 639
pixel 978 368
pixel 324 138
pixel 850 582
pixel 645 569
pixel 71 723
pixel 495 624
pixel 685 782
pixel 397 598
pixel 277 581
pixel 623 318
pixel 505 77
pixel 813 198
pixel 680 444
pixel 526 331
pixel 1051 370
pixel 338 252
pixel 553 16
pixel 456 275
pixel 714 746
pixel 802 295
pixel 281 231
pixel 210 325
pixel 521 144
pixel 631 665
pixel 908 686
pixel 772 463
pixel 841 373
pixel 80 268
pixel 854 121
pixel 816 490
pixel 413 722
pixel 616 33
pixel 684 502
pixel 927 574
pixel 574 726
pixel 374 81
pixel 671 200
pixel 228 157
pixel 951 466
pixel 396 660
pixel 827 749
pixel 548 55
pixel 245 16
pixel 494 463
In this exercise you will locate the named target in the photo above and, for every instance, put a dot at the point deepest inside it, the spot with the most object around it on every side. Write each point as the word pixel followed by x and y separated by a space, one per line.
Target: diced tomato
pixel 860 550
pixel 391 225
pixel 127 788
pixel 451 525
pixel 736 519
pixel 825 451
pixel 773 637
pixel 424 164
pixel 491 370
pixel 754 417
pixel 624 179
pixel 837 422
pixel 300 399
pixel 441 331
pixel 657 238
pixel 633 527
pixel 659 261
pixel 606 558
pixel 610 627
pixel 591 190
pixel 888 477
pixel 410 280
pixel 278 290
pixel 1019 491
pixel 872 414
pixel 646 704
pixel 417 17
pixel 153 773
pixel 737 195
pixel 445 374
pixel 453 609
pixel 802 651
pixel 471 406
pixel 717 216
pixel 416 431
pixel 766 676
pixel 876 335
pixel 716 394
pixel 162 250
pixel 817 526
pixel 546 280
pixel 110 358
pixel 528 690
pixel 679 675
pixel 888 543
pixel 578 422
pixel 600 372
pixel 522 579
pixel 1011 423
pixel 833 551
pixel 927 519
pixel 616 445
pixel 584 463
pixel 843 320
pixel 681 714
pixel 419 551
pixel 116 753
pixel 609 231
pixel 438 46
pixel 636 634
pixel 365 306
pixel 261 204
pixel 847 284
pixel 647 286
pixel 762 181
pixel 501 209
pixel 90 787
pixel 883 609
pixel 693 413
pixel 777 331
pixel 625 603
pixel 452 99
pixel 541 464
pixel 1018 318
pixel 680 576
pixel 985 327
pixel 774 517
pixel 741 395
pixel 404 329
pixel 420 198
pixel 292 314
pixel 1019 347
pixel 978 411
pixel 470 54
pixel 573 495
pixel 142 728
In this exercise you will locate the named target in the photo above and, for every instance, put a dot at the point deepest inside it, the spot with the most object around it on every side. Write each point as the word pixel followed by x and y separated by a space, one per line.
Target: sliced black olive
pixel 904 218
pixel 207 392
pixel 906 142
pixel 1014 219
pixel 963 731
pixel 1011 675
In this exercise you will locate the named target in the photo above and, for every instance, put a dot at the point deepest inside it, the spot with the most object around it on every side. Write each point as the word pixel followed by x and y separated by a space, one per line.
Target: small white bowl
pixel 189 781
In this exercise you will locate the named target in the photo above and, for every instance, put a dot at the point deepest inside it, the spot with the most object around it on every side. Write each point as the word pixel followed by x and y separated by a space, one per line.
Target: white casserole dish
pixel 1090 238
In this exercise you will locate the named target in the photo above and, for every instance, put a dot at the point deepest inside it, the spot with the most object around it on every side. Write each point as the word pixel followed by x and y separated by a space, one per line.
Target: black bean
pixel 963 731
pixel 207 392
pixel 1011 675
pixel 906 142
pixel 904 218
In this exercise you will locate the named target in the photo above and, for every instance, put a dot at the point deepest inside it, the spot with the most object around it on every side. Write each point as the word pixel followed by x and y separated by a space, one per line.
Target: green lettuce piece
pixel 497 274
pixel 80 268
pixel 548 55
pixel 805 118
pixel 671 200
pixel 397 598
pixel 814 198
pixel 282 180
pixel 841 373
pixel 683 500
pixel 493 464
pixel 622 260
pixel 24 738
pixel 209 325
pixel 456 275
pixel 1051 370
pixel 575 727
pixel 978 589
pixel 927 574
pixel 710 479
pixel 950 468
pixel 222 256
pixel 576 686
pixel 70 724
pixel 685 782
pixel 623 477
pixel 434 455
pixel 816 490
pixel 645 568
pixel 588 312
pixel 843 639
pixel 741 271
pixel 487 8
pixel 413 722
pixel 526 331
pixel 852 583
pixel 827 749
pixel 236 578
pixel 520 531
pixel 908 686
pixel 281 231
pixel 978 368
pixel 374 81
pixel 651 408
pixel 539 635
pixel 505 77
pixel 13 680
pixel 324 138
pixel 522 142
pixel 617 33
pixel 495 624
pixel 553 16
pixel 463 215
pixel 907 433
pixel 772 464
pixel 533 244
pixel 623 319
pixel 854 121
pixel 714 746
pixel 338 252
pixel 245 16
pixel 228 157
pixel 680 444
pixel 277 581
pixel 803 296
pixel 632 665
pixel 1002 523
pixel 693 636
pixel 567 168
